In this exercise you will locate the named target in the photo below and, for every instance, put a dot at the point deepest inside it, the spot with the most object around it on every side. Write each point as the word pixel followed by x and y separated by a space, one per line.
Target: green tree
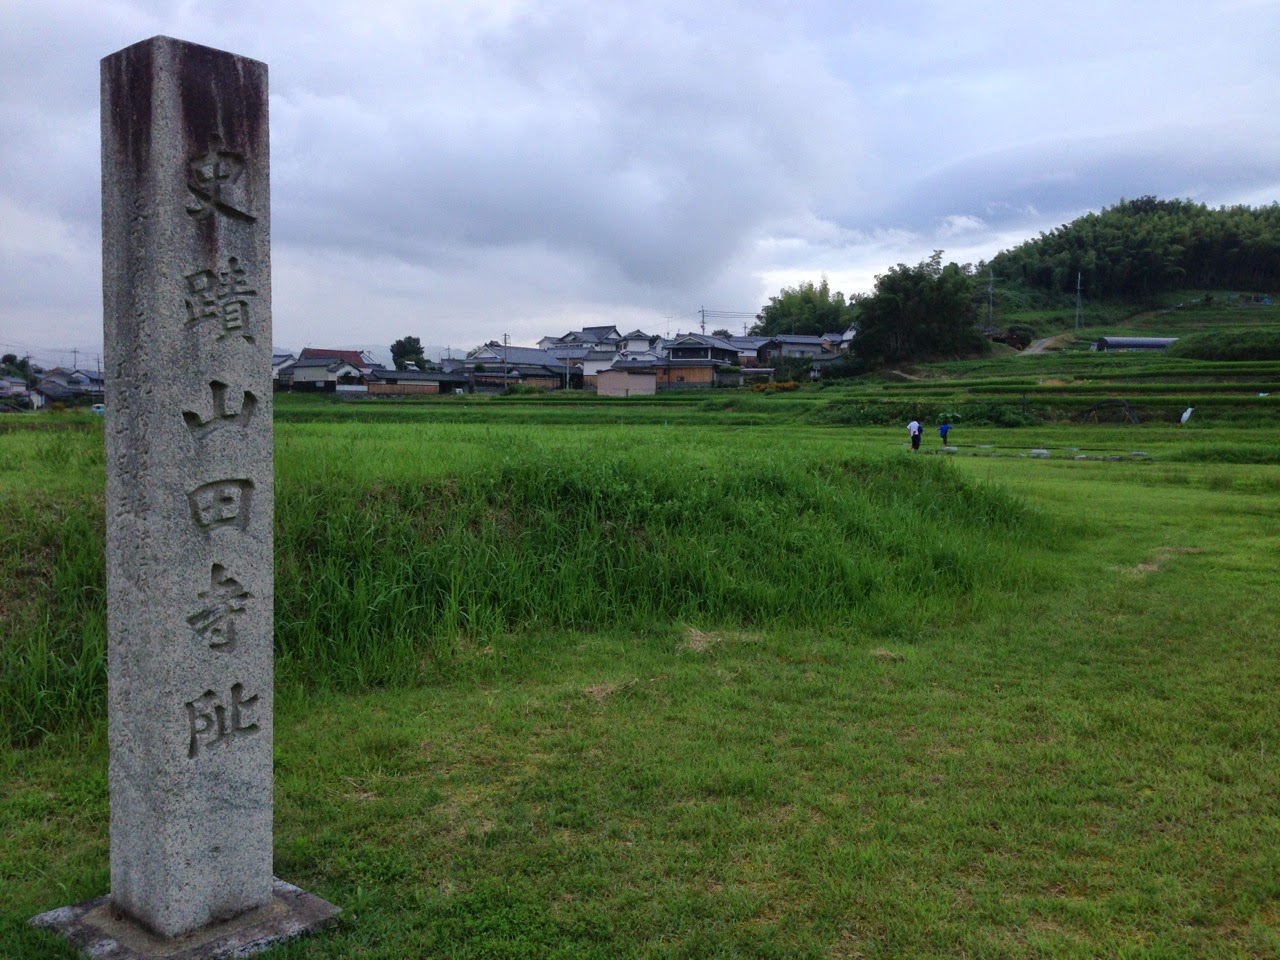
pixel 722 333
pixel 14 366
pixel 1141 249
pixel 918 312
pixel 805 310
pixel 408 350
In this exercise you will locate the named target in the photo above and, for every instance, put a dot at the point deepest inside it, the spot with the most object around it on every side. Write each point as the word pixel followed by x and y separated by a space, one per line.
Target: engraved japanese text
pixel 222 503
pixel 223 414
pixel 224 604
pixel 218 182
pixel 212 722
pixel 223 297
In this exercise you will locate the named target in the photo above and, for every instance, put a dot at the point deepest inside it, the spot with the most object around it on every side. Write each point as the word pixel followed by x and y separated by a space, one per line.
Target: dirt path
pixel 1049 343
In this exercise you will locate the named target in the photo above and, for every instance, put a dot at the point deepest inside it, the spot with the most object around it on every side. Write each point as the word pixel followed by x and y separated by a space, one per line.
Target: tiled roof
pixel 703 339
pixel 416 376
pixel 515 355
pixel 346 356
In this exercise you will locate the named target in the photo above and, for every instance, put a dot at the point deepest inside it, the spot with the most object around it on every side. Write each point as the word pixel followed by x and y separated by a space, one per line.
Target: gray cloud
pixel 458 171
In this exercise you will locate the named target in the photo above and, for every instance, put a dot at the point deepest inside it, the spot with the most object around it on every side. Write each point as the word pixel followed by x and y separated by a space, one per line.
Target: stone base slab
pixel 102 934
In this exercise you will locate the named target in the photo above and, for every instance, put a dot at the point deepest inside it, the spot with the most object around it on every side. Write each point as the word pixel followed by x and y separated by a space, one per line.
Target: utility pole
pixel 702 322
pixel 1079 278
pixel 991 297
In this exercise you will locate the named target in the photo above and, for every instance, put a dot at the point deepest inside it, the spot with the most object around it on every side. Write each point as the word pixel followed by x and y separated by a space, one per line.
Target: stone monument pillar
pixel 187 315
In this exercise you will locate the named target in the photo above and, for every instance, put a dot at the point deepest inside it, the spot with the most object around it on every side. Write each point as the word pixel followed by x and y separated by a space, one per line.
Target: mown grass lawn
pixel 1081 763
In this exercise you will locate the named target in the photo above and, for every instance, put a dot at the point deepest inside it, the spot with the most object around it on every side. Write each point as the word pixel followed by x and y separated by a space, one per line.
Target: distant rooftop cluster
pixel 601 359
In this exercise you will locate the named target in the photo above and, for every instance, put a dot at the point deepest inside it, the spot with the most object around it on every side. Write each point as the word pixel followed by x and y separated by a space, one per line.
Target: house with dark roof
pixel 494 352
pixel 797 345
pixel 49 391
pixel 386 383
pixel 280 364
pixel 637 341
pixel 320 374
pixel 496 366
pixel 361 361
pixel 753 351
pixel 548 376
pixel 700 346
pixel 653 374
pixel 62 385
pixel 589 336
pixel 573 353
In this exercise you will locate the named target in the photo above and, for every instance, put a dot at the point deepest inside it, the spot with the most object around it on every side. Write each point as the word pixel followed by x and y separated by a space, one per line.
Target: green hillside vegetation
pixel 1145 265
pixel 1229 345
pixel 1147 248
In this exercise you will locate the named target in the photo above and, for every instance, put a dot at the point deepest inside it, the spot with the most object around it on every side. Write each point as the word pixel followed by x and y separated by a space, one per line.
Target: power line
pixel 704 314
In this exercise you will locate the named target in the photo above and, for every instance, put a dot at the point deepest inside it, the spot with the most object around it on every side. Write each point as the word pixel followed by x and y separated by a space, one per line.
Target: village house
pixel 383 382
pixel 700 346
pixel 604 338
pixel 14 394
pixel 68 387
pixel 638 342
pixel 692 361
pixel 796 345
pixel 13 387
pixel 280 362
pixel 313 374
pixel 495 366
pixel 357 358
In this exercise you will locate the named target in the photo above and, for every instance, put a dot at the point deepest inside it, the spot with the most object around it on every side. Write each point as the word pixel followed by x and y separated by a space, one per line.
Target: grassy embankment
pixel 737 685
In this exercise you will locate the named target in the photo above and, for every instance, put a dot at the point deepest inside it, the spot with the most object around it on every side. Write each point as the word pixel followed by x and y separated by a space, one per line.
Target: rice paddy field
pixel 735 675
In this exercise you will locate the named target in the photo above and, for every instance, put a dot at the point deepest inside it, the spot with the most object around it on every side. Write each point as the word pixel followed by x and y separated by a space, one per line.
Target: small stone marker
pixel 190 576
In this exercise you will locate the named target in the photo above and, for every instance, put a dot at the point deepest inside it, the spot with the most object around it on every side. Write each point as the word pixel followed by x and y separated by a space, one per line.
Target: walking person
pixel 943 430
pixel 913 428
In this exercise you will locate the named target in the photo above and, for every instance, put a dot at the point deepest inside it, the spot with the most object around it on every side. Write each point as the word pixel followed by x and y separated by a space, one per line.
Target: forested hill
pixel 1145 247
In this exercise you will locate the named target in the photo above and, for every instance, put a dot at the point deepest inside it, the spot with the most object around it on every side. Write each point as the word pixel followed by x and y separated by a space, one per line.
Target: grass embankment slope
pixel 716 688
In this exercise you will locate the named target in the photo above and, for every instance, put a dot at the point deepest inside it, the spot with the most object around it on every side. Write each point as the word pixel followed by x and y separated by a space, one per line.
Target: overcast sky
pixel 465 169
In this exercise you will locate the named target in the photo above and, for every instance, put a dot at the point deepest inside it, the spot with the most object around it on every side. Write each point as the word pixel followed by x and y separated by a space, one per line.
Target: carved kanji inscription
pixel 224 413
pixel 224 604
pixel 213 721
pixel 222 503
pixel 218 181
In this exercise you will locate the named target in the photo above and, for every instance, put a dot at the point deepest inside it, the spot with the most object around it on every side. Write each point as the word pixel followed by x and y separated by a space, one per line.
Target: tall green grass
pixel 382 574
pixel 397 546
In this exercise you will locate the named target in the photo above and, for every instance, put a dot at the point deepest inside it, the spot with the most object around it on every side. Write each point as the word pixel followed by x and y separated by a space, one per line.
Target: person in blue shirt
pixel 943 430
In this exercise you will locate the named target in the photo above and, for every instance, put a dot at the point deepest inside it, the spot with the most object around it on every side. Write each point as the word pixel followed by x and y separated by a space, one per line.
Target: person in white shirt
pixel 913 428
